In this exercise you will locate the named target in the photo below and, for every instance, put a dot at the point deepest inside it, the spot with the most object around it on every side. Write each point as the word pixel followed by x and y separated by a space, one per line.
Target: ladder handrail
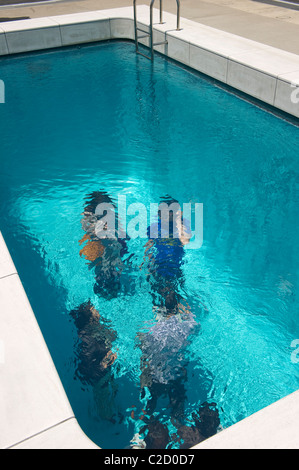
pixel 151 22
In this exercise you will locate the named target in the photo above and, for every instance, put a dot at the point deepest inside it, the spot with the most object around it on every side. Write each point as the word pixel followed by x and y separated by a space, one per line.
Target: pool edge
pixel 34 409
pixel 263 72
pixel 273 427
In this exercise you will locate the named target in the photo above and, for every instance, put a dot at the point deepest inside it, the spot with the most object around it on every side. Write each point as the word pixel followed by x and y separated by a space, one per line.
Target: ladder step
pixel 144 55
pixel 142 30
pixel 143 36
pixel 160 43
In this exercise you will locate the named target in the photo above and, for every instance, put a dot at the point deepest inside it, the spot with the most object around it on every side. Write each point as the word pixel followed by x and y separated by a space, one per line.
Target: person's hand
pixel 108 359
pixel 184 236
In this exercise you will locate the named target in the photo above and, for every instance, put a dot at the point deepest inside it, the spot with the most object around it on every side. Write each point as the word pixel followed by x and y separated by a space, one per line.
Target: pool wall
pixel 263 72
pixel 34 409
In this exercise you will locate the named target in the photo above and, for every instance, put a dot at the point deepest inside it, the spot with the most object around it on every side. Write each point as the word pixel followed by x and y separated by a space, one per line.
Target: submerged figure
pixel 164 376
pixel 105 253
pixel 95 356
pixel 164 360
pixel 164 250
pixel 155 435
pixel 206 423
pixel 94 351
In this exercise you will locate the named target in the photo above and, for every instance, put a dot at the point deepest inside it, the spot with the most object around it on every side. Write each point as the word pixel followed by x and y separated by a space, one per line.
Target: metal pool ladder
pixel 150 32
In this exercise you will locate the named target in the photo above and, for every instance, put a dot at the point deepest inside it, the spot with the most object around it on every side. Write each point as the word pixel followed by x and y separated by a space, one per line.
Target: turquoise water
pixel 100 118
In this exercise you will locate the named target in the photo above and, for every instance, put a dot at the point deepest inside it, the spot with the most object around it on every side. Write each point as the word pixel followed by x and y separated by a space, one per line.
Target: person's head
pixel 94 222
pixel 84 314
pixel 157 435
pixel 188 436
pixel 170 211
pixel 171 300
pixel 207 419
pixel 172 204
pixel 94 199
pixel 168 298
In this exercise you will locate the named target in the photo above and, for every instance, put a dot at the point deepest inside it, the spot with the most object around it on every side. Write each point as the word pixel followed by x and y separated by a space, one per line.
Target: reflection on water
pixel 157 345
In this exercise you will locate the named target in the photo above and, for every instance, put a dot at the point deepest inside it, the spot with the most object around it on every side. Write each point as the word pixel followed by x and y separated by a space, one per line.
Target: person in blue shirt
pixel 164 361
pixel 164 250
pixel 163 370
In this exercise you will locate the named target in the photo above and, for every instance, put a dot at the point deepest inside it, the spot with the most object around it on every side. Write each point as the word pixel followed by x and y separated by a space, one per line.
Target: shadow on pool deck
pixel 17 2
pixel 3 20
pixel 291 4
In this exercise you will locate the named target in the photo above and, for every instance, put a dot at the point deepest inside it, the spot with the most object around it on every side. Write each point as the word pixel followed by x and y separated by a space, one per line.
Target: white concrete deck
pixel 274 427
pixel 269 22
pixel 34 410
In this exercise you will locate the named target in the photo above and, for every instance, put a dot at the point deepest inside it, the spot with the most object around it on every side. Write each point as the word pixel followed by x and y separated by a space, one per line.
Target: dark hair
pixel 207 419
pixel 95 198
pixel 157 436
pixel 82 315
pixel 171 300
pixel 168 200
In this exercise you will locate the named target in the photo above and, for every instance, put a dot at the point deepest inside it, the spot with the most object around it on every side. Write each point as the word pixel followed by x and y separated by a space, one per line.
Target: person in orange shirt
pixel 106 254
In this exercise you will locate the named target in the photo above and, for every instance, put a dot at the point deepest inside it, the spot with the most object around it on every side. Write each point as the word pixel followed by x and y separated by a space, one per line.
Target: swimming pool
pixel 128 129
